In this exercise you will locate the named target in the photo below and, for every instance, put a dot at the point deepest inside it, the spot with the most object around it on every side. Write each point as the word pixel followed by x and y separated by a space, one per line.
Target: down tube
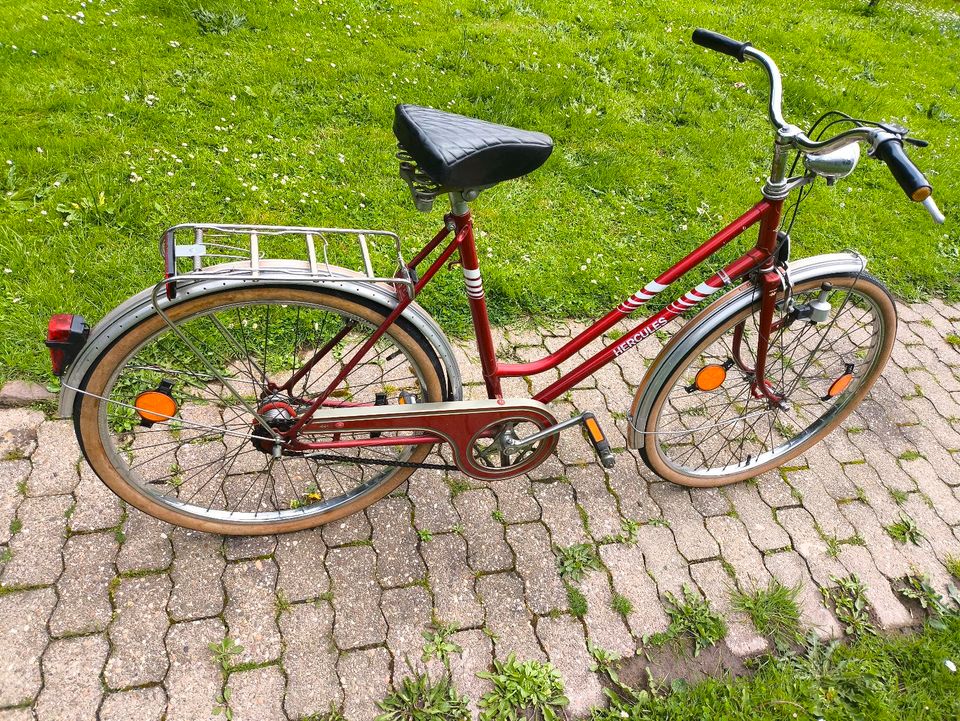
pixel 688 300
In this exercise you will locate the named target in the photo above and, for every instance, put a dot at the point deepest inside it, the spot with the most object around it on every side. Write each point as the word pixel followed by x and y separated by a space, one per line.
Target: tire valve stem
pixel 820 308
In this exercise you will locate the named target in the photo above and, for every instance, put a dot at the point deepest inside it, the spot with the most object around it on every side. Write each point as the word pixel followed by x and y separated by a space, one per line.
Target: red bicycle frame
pixel 760 257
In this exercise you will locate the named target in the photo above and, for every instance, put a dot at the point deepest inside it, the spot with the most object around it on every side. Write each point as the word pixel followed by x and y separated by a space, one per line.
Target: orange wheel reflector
pixel 840 385
pixel 710 377
pixel 154 406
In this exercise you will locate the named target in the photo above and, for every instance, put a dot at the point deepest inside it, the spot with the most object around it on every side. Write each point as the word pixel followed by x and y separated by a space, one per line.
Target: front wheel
pixel 170 416
pixel 701 419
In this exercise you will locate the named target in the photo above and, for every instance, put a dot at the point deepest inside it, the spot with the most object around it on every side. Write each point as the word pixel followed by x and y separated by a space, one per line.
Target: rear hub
pixel 279 415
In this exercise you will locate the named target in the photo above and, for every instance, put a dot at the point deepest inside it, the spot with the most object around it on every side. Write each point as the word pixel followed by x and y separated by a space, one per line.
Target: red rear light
pixel 66 335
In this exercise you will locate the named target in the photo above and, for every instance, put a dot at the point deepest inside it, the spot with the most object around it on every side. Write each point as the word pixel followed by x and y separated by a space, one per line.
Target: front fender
pixel 140 306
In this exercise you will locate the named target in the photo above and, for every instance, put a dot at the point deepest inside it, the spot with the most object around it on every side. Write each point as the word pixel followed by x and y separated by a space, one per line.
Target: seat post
pixel 458 201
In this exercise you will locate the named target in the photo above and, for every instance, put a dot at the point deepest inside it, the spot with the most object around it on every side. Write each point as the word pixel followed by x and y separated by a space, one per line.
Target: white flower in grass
pixel 150 99
pixel 950 665
pixel 174 44
pixel 134 178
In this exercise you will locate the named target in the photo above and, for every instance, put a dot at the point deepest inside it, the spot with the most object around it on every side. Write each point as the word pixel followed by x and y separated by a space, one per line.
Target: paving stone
pixel 885 464
pixel 55 460
pixel 693 540
pixel 18 393
pixel 310 660
pixel 12 475
pixel 516 501
pixel 605 627
pixel 139 704
pixel 487 549
pixel 711 501
pixel 16 714
pixel 18 432
pixel 600 505
pixel 820 505
pixel 765 533
pixel 475 657
pixel 737 550
pixel 433 506
pixel 566 647
pixel 71 679
pixel 137 653
pixel 246 548
pixel 663 560
pixel 257 694
pixel 878 496
pixel 937 533
pixel 251 609
pixel 23 636
pixel 97 506
pixel 196 573
pixel 632 489
pixel 395 543
pixel 408 613
pixel 560 513
pixel 356 597
pixel 365 675
pixel 83 590
pixel 775 492
pixel 887 557
pixel 929 483
pixel 888 609
pixel 36 548
pixel 630 579
pixel 742 638
pixel 508 617
pixel 789 568
pixel 300 558
pixel 146 545
pixel 193 681
pixel 351 529
pixel 551 469
pixel 452 581
pixel 798 523
pixel 537 566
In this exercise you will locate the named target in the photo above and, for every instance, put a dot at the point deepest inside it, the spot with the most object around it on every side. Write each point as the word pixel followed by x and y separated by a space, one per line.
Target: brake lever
pixel 934 211
pixel 917 142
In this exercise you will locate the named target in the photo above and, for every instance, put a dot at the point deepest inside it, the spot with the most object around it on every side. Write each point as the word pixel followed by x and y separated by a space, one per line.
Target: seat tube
pixel 478 305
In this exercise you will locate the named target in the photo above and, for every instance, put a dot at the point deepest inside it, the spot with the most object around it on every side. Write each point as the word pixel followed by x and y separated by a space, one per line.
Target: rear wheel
pixel 708 425
pixel 213 465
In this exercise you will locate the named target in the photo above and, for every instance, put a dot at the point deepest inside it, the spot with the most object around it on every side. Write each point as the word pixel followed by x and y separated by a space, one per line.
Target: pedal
pixel 600 443
pixel 407 398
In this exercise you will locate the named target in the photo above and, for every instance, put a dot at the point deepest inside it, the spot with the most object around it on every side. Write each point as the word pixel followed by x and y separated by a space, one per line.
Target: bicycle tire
pixel 688 349
pixel 99 442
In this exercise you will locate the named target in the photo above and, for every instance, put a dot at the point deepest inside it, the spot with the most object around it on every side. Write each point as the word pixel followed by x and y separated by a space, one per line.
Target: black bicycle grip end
pixel 720 43
pixel 908 175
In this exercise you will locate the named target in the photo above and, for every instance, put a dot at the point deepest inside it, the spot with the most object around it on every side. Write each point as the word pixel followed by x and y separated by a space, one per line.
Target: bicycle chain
pixel 378 462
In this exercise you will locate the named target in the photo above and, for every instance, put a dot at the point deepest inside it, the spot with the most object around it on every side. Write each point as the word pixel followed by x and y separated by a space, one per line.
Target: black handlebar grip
pixel 913 182
pixel 720 43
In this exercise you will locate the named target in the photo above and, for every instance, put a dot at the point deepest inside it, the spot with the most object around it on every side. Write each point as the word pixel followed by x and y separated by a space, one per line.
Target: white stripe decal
pixel 641 296
pixel 474 282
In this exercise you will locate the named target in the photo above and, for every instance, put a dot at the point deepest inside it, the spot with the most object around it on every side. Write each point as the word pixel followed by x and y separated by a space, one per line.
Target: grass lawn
pixel 121 117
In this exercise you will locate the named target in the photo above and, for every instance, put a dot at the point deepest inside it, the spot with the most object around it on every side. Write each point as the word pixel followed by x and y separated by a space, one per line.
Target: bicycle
pixel 247 394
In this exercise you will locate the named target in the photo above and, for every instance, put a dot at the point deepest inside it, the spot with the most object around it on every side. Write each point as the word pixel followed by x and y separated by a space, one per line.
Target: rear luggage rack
pixel 193 251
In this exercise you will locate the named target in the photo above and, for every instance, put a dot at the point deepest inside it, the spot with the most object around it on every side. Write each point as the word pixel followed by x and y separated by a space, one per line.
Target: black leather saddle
pixel 460 153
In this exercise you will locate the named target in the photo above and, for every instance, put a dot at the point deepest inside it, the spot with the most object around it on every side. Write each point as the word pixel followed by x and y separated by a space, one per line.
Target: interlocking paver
pixel 408 612
pixel 664 562
pixel 356 597
pixel 137 652
pixel 83 590
pixel 12 475
pixel 97 506
pixel 251 608
pixel 395 543
pixel 742 638
pixel 71 679
pixel 600 506
pixel 888 609
pixel 55 460
pixel 18 432
pixel 433 506
pixel 310 659
pixel 631 487
pixel 245 548
pixel 693 540
pixel 36 548
pixel 23 637
pixel 516 501
pixel 146 545
pixel 193 681
pixel 487 549
pixel 452 582
pixel 791 570
pixel 775 491
pixel 196 574
pixel 711 501
pixel 257 694
pixel 365 675
pixel 139 704
pixel 508 617
pixel 537 567
pixel 629 576
pixel 605 627
pixel 300 557
pixel 808 543
pixel 737 550
pixel 560 513
pixel 566 647
pixel 765 533
pixel 352 529
pixel 820 504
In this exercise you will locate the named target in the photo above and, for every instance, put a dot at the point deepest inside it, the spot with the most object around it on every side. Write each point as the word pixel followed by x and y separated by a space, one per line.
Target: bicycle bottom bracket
pixel 279 416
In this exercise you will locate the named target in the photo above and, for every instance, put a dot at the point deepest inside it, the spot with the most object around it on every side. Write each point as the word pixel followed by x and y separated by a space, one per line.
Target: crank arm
pixel 588 420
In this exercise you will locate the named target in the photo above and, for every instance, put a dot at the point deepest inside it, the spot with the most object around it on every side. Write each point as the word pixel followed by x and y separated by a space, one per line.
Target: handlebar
pixel 885 145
